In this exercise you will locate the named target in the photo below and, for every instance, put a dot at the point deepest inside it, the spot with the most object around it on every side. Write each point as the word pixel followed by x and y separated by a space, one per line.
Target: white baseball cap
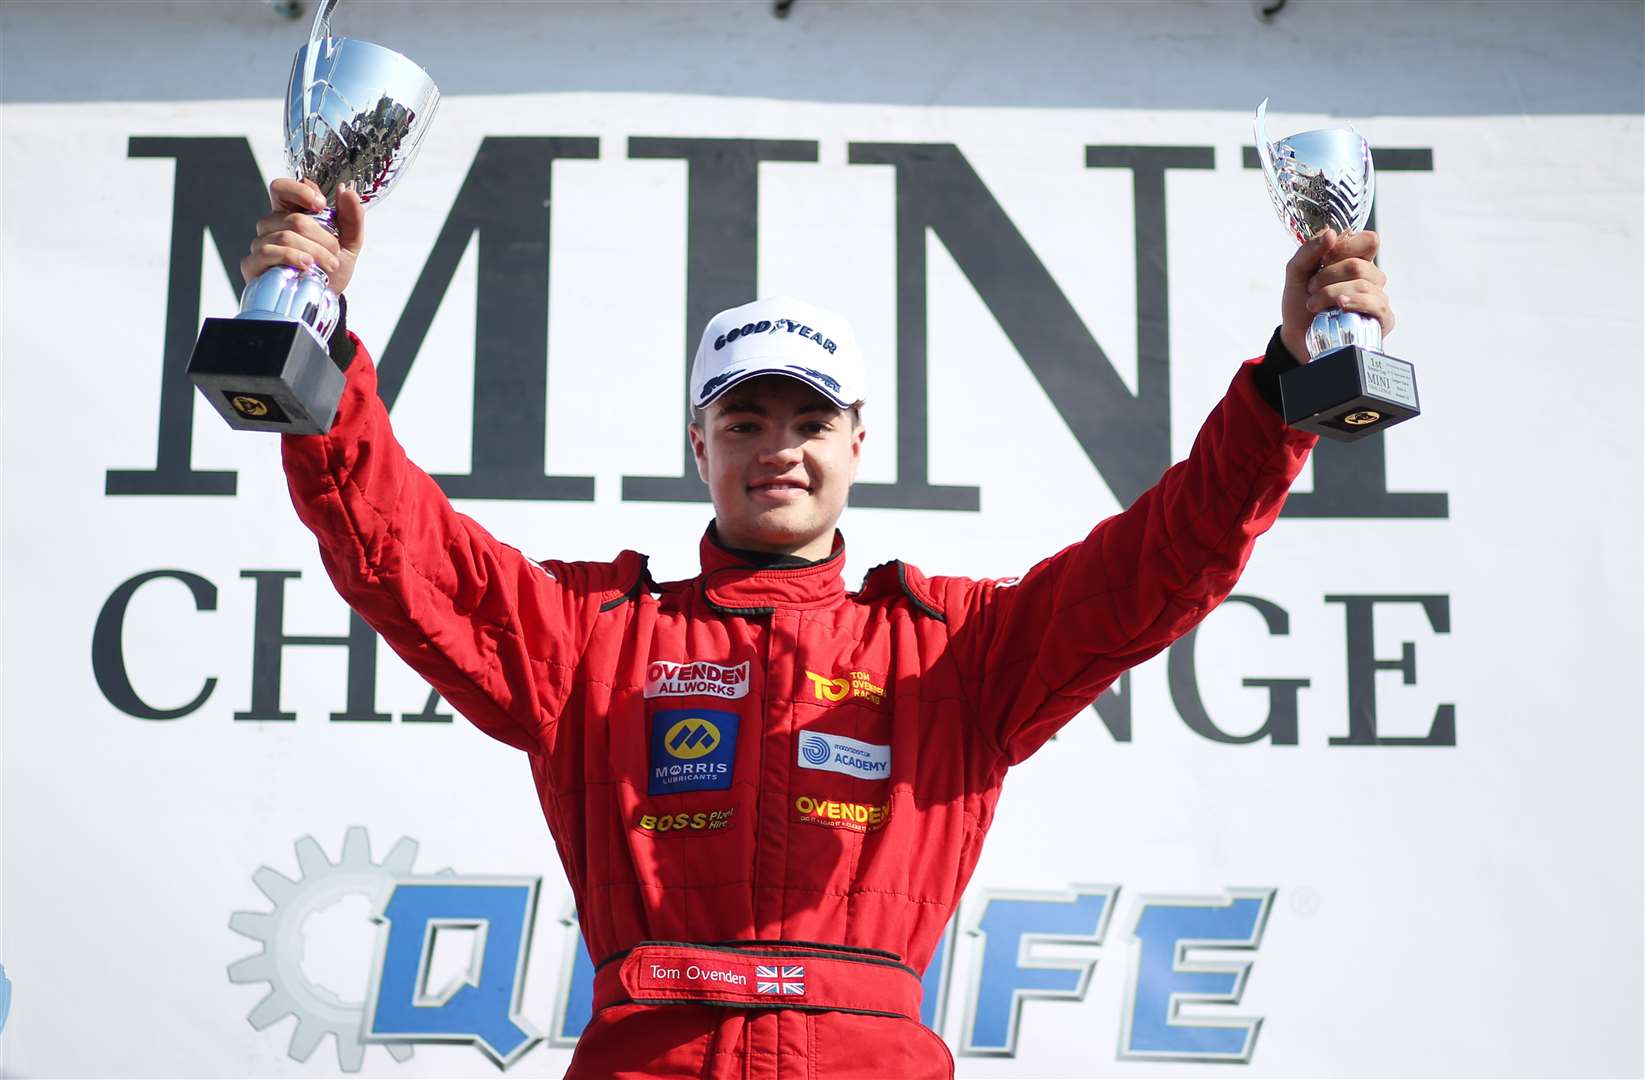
pixel 779 335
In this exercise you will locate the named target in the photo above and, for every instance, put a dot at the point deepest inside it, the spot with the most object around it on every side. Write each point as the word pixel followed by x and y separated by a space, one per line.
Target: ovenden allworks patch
pixel 665 678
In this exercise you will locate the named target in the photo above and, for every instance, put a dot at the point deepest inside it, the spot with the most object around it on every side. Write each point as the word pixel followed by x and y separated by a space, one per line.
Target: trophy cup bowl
pixel 355 115
pixel 1322 180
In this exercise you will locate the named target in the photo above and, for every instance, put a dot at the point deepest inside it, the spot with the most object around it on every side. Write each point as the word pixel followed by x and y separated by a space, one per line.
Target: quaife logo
pixel 410 913
pixel 664 678
pixel 692 750
pixel 835 753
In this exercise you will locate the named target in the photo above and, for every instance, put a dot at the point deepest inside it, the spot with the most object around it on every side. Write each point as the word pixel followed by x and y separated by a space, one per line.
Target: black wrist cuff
pixel 341 345
pixel 1276 362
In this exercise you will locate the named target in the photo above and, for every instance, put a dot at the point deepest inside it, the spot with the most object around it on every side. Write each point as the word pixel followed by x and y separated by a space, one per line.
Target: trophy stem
pixel 1335 328
pixel 327 219
pixel 289 294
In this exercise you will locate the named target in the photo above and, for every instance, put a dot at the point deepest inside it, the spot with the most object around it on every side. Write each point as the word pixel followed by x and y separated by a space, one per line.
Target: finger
pixel 1347 270
pixel 1307 259
pixel 280 221
pixel 1357 245
pixel 265 258
pixel 286 194
pixel 1342 294
pixel 283 246
pixel 351 221
pixel 274 222
pixel 309 228
pixel 1374 305
pixel 302 225
pixel 324 252
pixel 261 260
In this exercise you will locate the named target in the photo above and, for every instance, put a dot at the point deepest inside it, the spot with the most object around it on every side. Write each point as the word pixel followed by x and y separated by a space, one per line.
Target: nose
pixel 779 452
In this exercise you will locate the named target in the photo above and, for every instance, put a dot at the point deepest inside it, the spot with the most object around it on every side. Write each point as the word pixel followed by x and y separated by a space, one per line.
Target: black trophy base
pixel 267 375
pixel 1349 393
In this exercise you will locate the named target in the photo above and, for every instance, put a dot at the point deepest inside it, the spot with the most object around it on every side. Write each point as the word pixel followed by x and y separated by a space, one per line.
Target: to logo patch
pixel 664 678
pixel 835 753
pixel 692 750
pixel 853 684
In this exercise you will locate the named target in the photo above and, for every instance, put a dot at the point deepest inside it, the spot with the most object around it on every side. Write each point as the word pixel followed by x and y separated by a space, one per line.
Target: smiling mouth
pixel 779 489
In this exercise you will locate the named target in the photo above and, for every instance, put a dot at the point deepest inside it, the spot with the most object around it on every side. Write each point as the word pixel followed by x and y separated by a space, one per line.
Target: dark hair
pixel 855 410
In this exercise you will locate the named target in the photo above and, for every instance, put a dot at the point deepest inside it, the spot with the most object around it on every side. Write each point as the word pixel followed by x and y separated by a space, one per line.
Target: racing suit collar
pixel 737 582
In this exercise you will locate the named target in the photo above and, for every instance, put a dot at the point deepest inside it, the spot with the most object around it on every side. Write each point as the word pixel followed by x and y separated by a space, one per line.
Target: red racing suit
pixel 757 758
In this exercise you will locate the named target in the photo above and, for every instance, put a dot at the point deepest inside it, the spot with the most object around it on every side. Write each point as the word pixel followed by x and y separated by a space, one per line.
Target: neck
pixel 819 547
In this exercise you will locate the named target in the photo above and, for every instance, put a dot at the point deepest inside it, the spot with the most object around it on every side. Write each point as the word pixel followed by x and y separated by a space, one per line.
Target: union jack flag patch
pixel 787 979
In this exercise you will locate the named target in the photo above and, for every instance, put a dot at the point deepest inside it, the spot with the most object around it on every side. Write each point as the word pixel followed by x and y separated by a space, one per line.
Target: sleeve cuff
pixel 341 345
pixel 1276 362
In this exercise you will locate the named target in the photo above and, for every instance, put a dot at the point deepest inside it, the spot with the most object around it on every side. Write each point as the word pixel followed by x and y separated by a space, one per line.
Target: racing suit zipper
pixel 776 738
pixel 775 1040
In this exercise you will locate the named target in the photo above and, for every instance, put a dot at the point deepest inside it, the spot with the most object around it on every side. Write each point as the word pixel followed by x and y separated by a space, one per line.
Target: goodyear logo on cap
pixel 692 750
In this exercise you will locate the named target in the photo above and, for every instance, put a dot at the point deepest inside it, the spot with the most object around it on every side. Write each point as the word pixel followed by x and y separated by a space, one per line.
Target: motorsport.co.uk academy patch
pixel 691 750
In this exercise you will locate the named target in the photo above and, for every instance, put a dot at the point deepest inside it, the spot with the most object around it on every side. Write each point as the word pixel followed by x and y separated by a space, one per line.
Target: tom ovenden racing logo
pixel 664 678
pixel 863 685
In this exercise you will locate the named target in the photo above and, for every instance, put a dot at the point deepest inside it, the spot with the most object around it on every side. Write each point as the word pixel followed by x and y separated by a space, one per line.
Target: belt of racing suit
pixel 760 975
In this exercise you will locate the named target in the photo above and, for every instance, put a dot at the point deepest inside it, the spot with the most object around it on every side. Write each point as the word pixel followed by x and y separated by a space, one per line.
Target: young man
pixel 768 792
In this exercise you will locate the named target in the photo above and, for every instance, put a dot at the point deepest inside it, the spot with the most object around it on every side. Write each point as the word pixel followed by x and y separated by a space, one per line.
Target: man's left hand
pixel 1332 271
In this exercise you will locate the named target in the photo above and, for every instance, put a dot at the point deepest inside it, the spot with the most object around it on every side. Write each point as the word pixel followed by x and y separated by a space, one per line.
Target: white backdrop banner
pixel 1380 815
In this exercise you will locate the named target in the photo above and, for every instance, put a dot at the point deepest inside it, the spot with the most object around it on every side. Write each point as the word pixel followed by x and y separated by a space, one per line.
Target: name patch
pixel 692 750
pixel 730 976
pixel 835 753
pixel 664 678
pixel 685 975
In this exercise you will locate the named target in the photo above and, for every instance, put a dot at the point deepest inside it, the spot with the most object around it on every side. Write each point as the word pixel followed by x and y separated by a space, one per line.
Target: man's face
pixel 778 458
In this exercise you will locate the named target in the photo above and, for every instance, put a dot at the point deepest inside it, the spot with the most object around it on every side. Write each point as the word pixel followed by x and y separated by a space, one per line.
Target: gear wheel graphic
pixel 320 884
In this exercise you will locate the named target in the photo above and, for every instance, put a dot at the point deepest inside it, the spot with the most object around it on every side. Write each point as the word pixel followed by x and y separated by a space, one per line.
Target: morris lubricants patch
pixel 700 823
pixel 838 814
pixel 692 750
pixel 665 678
pixel 830 689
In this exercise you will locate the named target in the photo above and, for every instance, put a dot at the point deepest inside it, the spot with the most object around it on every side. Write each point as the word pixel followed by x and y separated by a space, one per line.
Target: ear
pixel 699 449
pixel 857 437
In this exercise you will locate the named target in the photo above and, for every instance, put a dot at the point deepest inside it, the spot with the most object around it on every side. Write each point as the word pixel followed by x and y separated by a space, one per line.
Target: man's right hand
pixel 290 236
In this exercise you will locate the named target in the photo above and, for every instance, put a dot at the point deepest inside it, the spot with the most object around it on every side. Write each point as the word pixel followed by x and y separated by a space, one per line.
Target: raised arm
pixel 1042 648
pixel 495 632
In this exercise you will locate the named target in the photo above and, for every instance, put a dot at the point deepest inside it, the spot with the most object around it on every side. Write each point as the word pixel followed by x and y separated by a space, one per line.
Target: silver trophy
pixel 355 115
pixel 1350 389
